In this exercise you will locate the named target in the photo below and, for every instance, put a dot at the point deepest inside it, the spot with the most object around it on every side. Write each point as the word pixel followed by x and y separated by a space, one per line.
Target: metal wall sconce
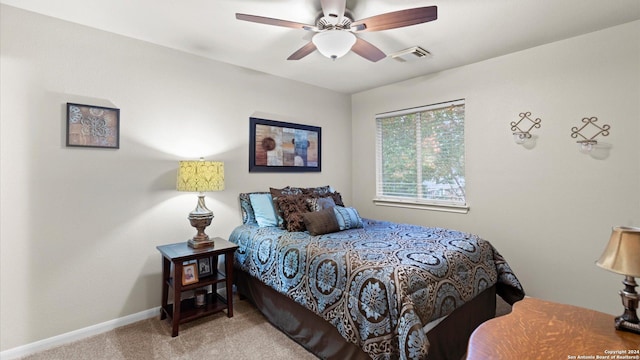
pixel 587 144
pixel 520 135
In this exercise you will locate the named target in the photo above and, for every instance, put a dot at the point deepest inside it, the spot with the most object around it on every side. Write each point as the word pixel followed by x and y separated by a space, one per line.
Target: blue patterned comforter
pixel 380 284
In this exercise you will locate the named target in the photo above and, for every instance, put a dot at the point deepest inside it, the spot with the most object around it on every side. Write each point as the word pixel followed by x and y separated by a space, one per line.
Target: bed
pixel 367 289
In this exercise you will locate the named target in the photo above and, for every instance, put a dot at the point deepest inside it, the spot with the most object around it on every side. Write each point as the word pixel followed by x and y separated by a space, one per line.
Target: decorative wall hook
pixel 586 144
pixel 520 135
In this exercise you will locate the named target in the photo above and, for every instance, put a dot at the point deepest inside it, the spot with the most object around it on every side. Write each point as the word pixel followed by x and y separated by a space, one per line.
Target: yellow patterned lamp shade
pixel 200 176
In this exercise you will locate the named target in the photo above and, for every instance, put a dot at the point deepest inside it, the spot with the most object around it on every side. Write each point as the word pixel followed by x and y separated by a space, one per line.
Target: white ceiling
pixel 465 32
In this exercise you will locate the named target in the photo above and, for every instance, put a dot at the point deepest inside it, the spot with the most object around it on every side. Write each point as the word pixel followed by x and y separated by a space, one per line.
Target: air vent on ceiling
pixel 410 54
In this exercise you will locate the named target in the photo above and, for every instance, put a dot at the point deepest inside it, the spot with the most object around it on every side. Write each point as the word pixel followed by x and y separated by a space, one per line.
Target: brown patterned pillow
pixel 276 194
pixel 321 222
pixel 317 191
pixel 292 207
pixel 337 198
pixel 314 192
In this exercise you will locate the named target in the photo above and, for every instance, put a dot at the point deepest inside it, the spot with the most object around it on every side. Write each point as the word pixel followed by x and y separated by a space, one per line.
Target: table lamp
pixel 622 256
pixel 200 176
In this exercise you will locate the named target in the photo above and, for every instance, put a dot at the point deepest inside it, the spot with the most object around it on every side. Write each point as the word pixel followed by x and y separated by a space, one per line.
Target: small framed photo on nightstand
pixel 204 267
pixel 189 274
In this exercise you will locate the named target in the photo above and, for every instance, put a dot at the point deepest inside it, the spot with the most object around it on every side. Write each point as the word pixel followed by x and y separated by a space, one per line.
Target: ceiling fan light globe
pixel 334 44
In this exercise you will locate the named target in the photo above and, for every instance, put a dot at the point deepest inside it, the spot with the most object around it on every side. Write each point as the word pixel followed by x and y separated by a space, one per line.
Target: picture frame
pixel 273 147
pixel 204 267
pixel 189 274
pixel 93 126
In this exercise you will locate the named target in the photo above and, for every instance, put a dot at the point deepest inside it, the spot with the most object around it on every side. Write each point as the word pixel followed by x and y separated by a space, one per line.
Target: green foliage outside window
pixel 421 154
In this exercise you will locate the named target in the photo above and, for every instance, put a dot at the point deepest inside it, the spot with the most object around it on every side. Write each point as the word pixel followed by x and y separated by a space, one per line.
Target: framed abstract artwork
pixel 276 146
pixel 93 126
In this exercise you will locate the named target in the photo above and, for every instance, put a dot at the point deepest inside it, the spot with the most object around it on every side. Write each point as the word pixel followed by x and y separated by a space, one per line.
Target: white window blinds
pixel 420 155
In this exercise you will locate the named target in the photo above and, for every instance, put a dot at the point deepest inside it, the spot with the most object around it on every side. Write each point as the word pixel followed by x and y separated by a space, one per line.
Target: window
pixel 420 157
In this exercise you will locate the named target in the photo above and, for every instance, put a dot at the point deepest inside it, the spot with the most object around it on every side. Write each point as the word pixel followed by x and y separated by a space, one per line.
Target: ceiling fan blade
pixel 367 50
pixel 333 10
pixel 396 19
pixel 303 51
pixel 276 22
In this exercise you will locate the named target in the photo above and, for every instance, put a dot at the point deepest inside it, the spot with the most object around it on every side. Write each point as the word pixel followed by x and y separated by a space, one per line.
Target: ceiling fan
pixel 335 29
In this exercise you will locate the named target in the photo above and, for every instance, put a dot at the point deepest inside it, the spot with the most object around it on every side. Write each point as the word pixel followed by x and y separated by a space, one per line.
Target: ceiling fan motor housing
pixel 330 22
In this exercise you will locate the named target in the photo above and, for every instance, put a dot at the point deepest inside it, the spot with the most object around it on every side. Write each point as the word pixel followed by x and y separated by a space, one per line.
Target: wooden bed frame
pixel 448 340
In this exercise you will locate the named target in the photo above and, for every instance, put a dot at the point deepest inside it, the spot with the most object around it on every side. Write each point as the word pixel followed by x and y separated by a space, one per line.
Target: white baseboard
pixel 75 335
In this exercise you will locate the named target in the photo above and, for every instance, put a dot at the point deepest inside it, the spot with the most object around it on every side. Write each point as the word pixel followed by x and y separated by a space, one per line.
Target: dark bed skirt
pixel 448 339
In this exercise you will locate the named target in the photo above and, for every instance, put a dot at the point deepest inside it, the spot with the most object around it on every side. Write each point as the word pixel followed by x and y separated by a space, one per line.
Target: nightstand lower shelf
pixel 188 311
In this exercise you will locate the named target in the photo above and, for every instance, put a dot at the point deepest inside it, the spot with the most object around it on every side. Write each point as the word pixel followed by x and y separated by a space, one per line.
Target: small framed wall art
pixel 93 126
pixel 276 146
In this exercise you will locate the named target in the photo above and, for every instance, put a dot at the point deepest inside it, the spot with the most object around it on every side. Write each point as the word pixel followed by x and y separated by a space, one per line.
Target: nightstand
pixel 178 256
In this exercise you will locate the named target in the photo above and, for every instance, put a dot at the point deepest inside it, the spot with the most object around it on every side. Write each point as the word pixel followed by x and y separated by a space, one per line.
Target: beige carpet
pixel 247 335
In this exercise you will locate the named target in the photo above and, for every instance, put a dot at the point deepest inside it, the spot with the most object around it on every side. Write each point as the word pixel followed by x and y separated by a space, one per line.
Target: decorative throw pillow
pixel 245 207
pixel 313 192
pixel 248 216
pixel 347 217
pixel 317 191
pixel 263 210
pixel 324 191
pixel 337 198
pixel 321 203
pixel 277 193
pixel 292 207
pixel 321 222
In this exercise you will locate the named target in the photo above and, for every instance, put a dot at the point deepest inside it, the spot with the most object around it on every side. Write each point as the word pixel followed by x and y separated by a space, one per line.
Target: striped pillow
pixel 348 217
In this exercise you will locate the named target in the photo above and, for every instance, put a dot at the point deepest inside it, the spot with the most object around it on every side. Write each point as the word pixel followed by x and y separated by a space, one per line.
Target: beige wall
pixel 549 210
pixel 79 226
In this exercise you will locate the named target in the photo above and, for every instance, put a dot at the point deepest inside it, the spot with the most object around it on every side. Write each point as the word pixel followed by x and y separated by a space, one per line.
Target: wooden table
pixel 538 329
pixel 186 310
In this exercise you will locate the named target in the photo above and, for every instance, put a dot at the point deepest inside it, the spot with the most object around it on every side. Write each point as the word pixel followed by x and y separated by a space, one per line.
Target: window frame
pixel 415 203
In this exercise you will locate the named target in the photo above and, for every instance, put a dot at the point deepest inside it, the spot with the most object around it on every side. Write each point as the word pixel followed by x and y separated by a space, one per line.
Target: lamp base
pixel 624 325
pixel 201 239
pixel 200 218
pixel 199 244
pixel 629 320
